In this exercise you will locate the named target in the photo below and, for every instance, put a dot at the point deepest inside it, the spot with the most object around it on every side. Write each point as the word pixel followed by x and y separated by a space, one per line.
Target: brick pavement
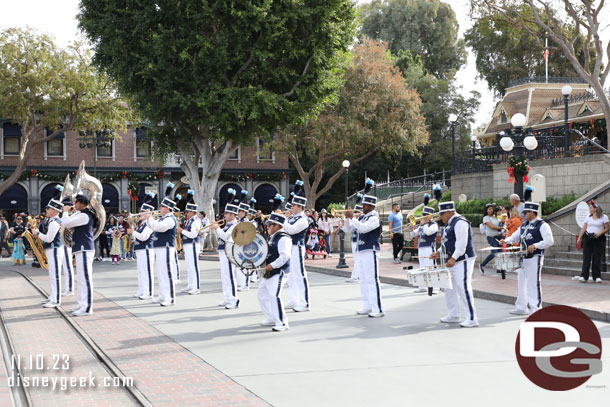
pixel 6 398
pixel 164 371
pixel 37 333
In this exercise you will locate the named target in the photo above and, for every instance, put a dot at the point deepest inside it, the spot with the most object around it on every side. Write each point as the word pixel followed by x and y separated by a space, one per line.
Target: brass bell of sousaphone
pixel 84 181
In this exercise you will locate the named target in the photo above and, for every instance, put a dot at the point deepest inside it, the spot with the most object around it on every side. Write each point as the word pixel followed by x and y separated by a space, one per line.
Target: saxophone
pixel 36 244
pixel 94 186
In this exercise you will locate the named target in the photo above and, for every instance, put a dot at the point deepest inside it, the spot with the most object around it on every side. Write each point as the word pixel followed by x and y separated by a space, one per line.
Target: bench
pixel 410 246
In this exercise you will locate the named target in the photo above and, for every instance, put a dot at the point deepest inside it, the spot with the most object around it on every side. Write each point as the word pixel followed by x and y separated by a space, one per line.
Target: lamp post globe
pixel 518 120
pixel 530 142
pixel 566 90
pixel 507 144
pixel 345 163
pixel 452 118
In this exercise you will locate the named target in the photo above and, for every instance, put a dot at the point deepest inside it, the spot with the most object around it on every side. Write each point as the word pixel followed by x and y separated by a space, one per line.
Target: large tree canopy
pixel 426 28
pixel 375 112
pixel 216 73
pixel 46 88
pixel 504 51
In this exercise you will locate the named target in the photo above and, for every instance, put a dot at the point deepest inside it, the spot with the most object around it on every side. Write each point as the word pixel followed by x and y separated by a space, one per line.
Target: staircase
pixel 569 264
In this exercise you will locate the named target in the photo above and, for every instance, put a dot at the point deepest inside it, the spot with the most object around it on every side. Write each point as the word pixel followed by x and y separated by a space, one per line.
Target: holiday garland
pixel 517 167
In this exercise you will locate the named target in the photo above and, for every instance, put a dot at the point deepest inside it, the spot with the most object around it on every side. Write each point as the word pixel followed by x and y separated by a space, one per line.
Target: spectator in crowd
pixel 103 239
pixel 4 236
pixel 18 228
pixel 514 222
pixel 117 243
pixel 593 239
pixel 395 223
pixel 515 201
pixel 325 226
pixel 493 230
pixel 18 251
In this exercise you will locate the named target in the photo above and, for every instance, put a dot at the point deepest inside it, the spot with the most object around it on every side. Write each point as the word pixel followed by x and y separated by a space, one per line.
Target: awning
pixel 46 194
pixel 264 195
pixel 110 197
pixel 11 130
pixel 14 198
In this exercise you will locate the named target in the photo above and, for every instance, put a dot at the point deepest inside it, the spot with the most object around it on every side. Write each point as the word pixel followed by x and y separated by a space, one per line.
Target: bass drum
pixel 252 255
pixel 229 252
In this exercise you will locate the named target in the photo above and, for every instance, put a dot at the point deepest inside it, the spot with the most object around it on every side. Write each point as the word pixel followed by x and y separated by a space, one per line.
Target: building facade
pixel 127 169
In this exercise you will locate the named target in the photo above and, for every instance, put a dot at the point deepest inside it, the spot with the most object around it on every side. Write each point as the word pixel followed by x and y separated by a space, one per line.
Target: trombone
pixel 153 213
pixel 413 222
pixel 341 212
pixel 220 223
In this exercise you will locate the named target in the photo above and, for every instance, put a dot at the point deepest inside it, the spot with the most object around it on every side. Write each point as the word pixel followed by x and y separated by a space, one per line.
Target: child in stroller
pixel 315 246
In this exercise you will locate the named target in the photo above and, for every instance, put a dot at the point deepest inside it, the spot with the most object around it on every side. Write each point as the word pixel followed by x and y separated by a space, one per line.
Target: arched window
pixel 14 199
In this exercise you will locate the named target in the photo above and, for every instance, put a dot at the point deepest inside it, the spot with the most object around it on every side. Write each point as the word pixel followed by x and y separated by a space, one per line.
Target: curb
pixel 484 295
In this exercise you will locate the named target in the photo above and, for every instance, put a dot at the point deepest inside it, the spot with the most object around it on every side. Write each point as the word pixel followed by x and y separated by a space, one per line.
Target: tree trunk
pixel 204 183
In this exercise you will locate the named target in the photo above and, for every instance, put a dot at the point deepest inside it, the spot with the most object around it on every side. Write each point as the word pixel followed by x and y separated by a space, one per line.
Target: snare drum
pixel 430 277
pixel 508 261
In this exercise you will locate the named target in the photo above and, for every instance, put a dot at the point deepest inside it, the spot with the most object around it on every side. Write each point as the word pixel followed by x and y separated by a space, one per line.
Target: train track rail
pixel 20 394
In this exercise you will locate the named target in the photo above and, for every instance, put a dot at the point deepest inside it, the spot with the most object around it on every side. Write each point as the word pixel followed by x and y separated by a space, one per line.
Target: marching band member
pixel 252 219
pixel 243 282
pixel 535 235
pixel 227 277
pixel 164 247
pixel 178 223
pixel 296 226
pixel 83 223
pixel 458 245
pixel 368 228
pixel 426 241
pixel 51 242
pixel 354 238
pixel 278 265
pixel 67 263
pixel 145 255
pixel 191 245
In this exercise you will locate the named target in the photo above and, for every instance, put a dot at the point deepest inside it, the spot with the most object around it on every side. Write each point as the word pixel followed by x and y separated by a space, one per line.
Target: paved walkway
pixel 164 371
pixel 591 298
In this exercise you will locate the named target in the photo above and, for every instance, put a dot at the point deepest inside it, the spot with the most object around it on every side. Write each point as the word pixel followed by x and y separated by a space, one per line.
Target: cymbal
pixel 243 233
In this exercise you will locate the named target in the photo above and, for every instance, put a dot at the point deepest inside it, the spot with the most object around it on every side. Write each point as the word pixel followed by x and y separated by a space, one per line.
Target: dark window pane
pixel 143 149
pixel 55 148
pixel 11 145
pixel 104 149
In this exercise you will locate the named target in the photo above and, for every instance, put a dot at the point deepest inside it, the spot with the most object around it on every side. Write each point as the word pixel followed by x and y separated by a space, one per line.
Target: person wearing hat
pixel 252 219
pixel 191 244
pixel 457 244
pixel 145 255
pixel 278 265
pixel 230 300
pixel 83 223
pixel 534 235
pixel 68 265
pixel 165 249
pixel 243 282
pixel 368 229
pixel 51 242
pixel 426 241
pixel 296 226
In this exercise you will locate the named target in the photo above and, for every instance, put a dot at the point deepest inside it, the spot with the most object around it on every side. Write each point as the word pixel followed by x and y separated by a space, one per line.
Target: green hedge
pixel 473 208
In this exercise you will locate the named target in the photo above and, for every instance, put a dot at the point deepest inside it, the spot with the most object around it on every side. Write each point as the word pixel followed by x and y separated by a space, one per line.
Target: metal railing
pixel 397 188
pixel 549 147
pixel 543 79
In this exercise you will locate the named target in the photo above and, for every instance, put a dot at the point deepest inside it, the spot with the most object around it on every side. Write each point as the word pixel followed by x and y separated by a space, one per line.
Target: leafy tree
pixel 505 51
pixel 49 91
pixel 440 98
pixel 585 18
pixel 425 28
pixel 210 75
pixel 375 112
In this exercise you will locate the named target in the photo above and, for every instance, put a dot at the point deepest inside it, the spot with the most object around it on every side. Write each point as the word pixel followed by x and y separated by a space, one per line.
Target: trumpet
pixel 220 223
pixel 414 221
pixel 155 214
pixel 341 212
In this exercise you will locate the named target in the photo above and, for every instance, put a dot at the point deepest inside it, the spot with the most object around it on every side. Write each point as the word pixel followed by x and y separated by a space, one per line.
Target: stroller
pixel 315 246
